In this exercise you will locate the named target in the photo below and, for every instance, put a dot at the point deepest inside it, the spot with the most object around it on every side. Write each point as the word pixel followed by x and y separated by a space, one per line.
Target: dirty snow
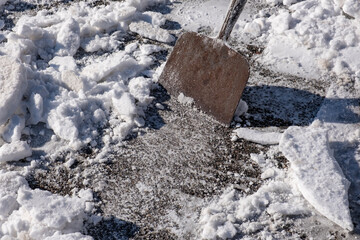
pixel 53 102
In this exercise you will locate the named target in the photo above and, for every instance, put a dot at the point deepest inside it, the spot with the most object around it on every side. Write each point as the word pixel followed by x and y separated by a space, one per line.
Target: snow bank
pixel 318 175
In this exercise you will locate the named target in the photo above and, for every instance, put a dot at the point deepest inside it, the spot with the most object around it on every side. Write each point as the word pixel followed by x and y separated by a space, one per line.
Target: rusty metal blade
pixel 208 71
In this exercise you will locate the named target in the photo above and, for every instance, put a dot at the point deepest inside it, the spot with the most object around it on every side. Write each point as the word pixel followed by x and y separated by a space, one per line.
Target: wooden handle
pixel 232 16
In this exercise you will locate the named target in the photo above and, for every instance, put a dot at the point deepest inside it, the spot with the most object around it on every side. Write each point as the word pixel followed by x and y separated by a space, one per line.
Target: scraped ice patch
pixel 258 136
pixel 13 84
pixel 318 175
pixel 14 151
pixel 153 32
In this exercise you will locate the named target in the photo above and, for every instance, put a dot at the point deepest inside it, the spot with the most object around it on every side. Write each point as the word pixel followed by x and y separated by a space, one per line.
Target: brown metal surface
pixel 210 72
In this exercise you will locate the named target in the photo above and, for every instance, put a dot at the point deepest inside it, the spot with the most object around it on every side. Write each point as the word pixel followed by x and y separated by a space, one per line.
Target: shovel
pixel 208 71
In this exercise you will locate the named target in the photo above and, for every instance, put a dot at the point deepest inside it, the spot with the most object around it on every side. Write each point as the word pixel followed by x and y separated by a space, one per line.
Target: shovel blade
pixel 208 71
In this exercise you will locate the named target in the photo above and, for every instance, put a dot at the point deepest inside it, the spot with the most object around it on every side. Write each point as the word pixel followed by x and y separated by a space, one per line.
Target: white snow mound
pixel 317 174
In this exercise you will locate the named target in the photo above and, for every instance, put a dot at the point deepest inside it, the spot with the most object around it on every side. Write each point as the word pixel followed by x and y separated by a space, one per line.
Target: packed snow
pixel 318 175
pixel 100 99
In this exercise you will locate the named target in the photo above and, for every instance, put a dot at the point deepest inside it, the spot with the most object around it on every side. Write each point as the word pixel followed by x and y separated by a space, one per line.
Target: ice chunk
pixel 105 43
pixel 63 63
pixel 140 88
pixel 43 214
pixel 257 136
pixel 14 151
pixel 241 109
pixel 35 107
pixel 124 105
pixel 140 5
pixel 72 80
pixel 10 182
pixel 318 175
pixel 50 209
pixel 149 31
pixel 184 99
pixel 13 129
pixel 68 38
pixel 7 205
pixel 352 7
pixel 64 121
pixel 155 18
pixel 117 62
pixel 13 84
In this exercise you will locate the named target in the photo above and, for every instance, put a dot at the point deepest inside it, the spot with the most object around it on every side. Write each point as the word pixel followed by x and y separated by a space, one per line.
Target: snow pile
pixel 49 77
pixel 42 82
pixel 234 214
pixel 37 214
pixel 309 36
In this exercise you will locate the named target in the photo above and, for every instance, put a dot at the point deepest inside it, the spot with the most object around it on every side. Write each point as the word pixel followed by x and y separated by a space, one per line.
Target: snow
pixel 261 137
pixel 318 175
pixel 234 214
pixel 311 39
pixel 153 32
pixel 12 86
pixel 38 214
pixel 42 82
pixel 14 151
pixel 52 102
pixel 184 99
